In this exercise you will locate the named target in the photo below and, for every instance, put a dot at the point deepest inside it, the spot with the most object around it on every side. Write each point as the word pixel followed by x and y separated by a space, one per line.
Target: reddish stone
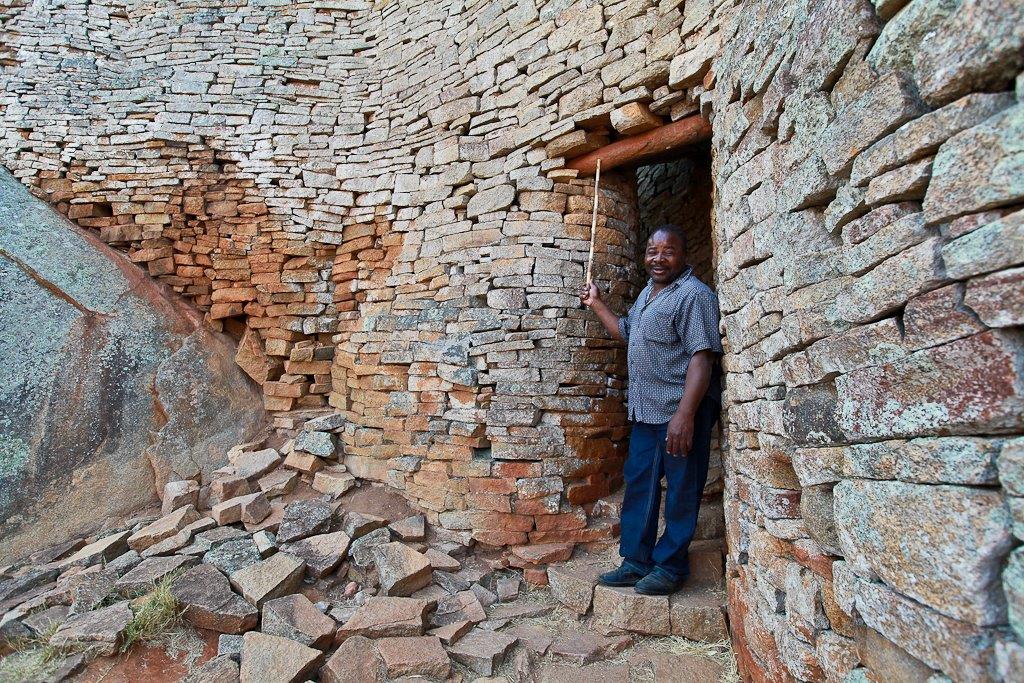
pixel 545 553
pixel 536 576
pixel 415 656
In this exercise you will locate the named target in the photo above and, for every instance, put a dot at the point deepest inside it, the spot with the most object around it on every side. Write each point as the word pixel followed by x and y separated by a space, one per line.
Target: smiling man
pixel 672 341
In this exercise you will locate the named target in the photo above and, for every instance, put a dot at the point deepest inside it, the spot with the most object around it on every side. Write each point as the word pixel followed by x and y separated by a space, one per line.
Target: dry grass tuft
pixel 156 615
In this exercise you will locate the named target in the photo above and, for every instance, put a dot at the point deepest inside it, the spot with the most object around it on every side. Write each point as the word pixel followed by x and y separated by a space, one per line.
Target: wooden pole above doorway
pixel 645 146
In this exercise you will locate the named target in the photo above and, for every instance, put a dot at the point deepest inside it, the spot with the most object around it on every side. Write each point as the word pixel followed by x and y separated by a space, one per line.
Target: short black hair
pixel 671 229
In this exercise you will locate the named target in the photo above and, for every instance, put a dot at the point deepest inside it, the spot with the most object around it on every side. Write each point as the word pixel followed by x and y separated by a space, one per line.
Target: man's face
pixel 664 257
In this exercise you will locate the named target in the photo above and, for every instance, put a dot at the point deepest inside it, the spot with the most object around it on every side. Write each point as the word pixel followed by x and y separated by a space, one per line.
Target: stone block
pixel 626 610
pixel 420 656
pixel 280 574
pixel 323 553
pixel 949 558
pixel 208 602
pixel 402 570
pixel 384 617
pixel 296 618
pixel 271 658
pixel 355 661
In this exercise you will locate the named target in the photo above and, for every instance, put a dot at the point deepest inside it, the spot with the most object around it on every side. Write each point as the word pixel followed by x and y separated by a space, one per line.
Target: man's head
pixel 665 256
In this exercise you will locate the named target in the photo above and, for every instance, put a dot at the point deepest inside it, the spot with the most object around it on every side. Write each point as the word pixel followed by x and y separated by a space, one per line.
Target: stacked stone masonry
pixel 373 198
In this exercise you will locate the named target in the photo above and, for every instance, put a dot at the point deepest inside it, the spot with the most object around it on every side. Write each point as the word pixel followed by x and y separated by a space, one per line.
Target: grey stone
pixel 949 558
pixel 626 610
pixel 149 572
pixel 208 602
pixel 100 631
pixel 901 184
pixel 995 245
pixel 884 107
pixel 954 647
pixel 491 200
pixel 317 443
pixel 819 518
pixel 233 555
pixel 922 136
pixel 900 39
pixel 361 550
pixel 980 47
pixel 304 518
pixel 1013 586
pixel 230 645
pixel 929 460
pixel 358 524
pixel 978 169
pixel 828 39
pixel 296 618
pixel 402 570
pixel 255 464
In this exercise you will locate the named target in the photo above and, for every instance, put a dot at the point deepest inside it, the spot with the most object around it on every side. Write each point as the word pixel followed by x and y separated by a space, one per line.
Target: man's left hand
pixel 680 435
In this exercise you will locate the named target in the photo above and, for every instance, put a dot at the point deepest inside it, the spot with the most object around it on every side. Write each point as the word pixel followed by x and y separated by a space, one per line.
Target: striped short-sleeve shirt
pixel 662 334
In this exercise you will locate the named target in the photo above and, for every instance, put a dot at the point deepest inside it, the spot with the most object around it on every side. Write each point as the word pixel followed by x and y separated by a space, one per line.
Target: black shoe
pixel 659 582
pixel 625 575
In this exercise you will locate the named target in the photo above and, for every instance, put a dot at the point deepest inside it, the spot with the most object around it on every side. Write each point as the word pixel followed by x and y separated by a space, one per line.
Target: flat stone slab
pixel 585 648
pixel 231 556
pixel 402 570
pixel 323 553
pixel 99 631
pixel 208 601
pixel 362 547
pixel 573 586
pixel 625 609
pixel 271 658
pixel 411 528
pixel 105 549
pixel 167 525
pixel 359 524
pixel 295 617
pixel 334 481
pixel 384 616
pixel 355 661
pixel 414 656
pixel 255 464
pixel 280 574
pixel 145 576
pixel 304 518
pixel 482 651
pixel 221 669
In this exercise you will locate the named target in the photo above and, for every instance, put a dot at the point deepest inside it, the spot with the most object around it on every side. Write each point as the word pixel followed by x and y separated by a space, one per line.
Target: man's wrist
pixel 685 412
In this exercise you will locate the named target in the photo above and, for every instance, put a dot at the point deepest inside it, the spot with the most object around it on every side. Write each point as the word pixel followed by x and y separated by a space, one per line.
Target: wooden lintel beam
pixel 649 145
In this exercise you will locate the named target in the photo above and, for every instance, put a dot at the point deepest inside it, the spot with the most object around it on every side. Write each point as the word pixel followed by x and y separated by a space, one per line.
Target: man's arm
pixel 680 427
pixel 590 296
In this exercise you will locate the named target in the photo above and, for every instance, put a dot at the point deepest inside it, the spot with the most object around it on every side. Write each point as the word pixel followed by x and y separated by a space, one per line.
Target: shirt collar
pixel 687 272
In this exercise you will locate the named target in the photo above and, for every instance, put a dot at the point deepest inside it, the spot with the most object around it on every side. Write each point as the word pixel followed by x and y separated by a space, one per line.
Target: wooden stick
pixel 593 225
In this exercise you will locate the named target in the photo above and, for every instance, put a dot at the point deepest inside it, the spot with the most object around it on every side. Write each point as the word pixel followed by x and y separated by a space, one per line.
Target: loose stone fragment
pixel 256 464
pixel 278 483
pixel 304 518
pixel 251 509
pixel 145 576
pixel 584 648
pixel 99 631
pixel 279 574
pixel 359 524
pixel 573 586
pixel 482 651
pixel 208 602
pixel 217 670
pixel 355 661
pixel 403 571
pixel 322 553
pixel 167 525
pixel 318 443
pixel 442 561
pixel 233 555
pixel 414 656
pixel 334 481
pixel 295 617
pixel 266 543
pixel 363 547
pixel 271 658
pixel 410 529
pixel 381 617
pixel 624 609
pixel 179 494
pixel 226 488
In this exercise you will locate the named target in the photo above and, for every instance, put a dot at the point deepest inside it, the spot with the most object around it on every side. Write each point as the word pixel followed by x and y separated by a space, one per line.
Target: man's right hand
pixel 589 294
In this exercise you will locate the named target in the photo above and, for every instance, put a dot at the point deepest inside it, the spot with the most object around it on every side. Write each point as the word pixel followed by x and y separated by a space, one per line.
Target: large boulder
pixel 110 386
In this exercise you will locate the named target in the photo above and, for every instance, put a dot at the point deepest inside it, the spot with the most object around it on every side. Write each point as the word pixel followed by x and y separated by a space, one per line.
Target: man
pixel 672 341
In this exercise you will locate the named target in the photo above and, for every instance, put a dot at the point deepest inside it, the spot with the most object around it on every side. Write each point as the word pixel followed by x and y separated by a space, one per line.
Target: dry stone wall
pixel 374 196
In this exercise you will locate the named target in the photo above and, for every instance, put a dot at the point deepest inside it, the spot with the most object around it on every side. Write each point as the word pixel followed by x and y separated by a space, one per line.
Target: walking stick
pixel 593 225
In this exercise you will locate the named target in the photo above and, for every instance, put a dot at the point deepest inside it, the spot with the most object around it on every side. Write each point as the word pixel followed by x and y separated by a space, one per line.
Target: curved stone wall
pixel 378 193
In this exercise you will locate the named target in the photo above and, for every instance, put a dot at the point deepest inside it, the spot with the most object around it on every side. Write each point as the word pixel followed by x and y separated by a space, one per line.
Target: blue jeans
pixel 646 464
